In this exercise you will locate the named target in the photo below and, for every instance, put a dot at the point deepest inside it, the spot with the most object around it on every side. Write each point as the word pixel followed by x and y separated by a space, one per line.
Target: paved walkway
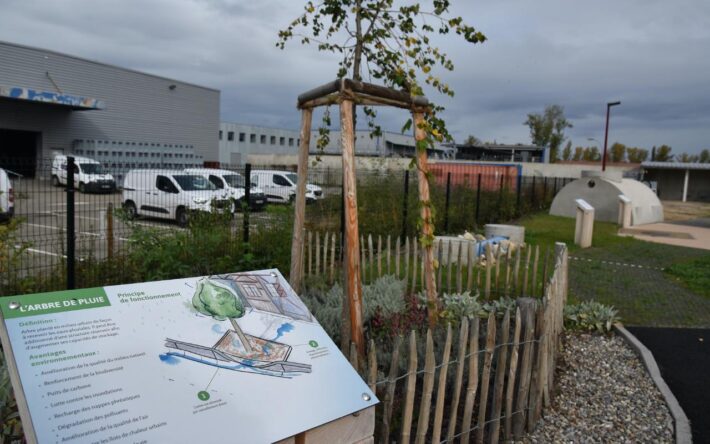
pixel 683 356
pixel 691 233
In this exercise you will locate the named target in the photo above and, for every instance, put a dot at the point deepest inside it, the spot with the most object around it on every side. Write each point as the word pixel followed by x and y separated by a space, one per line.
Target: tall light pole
pixel 606 132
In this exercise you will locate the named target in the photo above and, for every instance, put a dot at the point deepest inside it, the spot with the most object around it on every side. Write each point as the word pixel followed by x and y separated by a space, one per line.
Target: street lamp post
pixel 606 131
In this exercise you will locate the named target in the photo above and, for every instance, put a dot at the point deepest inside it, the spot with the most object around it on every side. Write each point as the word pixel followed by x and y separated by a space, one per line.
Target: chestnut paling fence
pixel 493 375
pixel 462 265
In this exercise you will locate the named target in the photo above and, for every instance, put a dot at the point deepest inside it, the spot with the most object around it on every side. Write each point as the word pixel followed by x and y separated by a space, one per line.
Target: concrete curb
pixel 683 434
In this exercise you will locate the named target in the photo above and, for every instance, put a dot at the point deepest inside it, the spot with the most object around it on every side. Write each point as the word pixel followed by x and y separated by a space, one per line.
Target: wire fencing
pixel 137 221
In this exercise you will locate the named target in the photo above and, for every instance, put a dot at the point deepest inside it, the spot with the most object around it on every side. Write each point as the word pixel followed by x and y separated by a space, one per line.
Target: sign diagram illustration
pixel 227 298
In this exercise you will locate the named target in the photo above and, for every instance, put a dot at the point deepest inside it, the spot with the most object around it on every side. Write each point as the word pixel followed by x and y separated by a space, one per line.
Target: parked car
pixel 7 197
pixel 89 175
pixel 170 194
pixel 280 186
pixel 233 184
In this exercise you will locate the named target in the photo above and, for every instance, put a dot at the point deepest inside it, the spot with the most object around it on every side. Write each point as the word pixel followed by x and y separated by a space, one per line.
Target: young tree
pixel 705 156
pixel 636 155
pixel 663 154
pixel 548 129
pixel 214 300
pixel 578 153
pixel 472 140
pixel 567 152
pixel 688 158
pixel 618 152
pixel 591 154
pixel 390 43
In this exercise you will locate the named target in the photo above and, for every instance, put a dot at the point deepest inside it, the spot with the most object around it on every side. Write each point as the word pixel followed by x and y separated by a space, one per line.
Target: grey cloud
pixel 651 54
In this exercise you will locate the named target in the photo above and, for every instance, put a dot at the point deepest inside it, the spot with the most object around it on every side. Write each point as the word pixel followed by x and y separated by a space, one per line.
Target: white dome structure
pixel 601 191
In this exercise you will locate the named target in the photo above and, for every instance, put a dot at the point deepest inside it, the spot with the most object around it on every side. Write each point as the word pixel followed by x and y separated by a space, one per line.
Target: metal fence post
pixel 71 234
pixel 109 230
pixel 544 191
pixel 446 205
pixel 532 200
pixel 478 200
pixel 404 205
pixel 247 200
pixel 517 197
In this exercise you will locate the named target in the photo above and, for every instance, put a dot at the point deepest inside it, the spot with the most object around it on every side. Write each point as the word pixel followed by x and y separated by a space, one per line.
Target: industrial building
pixel 56 103
pixel 238 141
pixel 493 152
pixel 682 181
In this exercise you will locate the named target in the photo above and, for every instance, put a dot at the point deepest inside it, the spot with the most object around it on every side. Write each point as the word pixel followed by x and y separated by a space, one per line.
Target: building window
pixel 230 136
pixel 298 142
pixel 220 134
pixel 242 137
pixel 252 138
pixel 273 140
pixel 282 141
pixel 290 141
pixel 262 139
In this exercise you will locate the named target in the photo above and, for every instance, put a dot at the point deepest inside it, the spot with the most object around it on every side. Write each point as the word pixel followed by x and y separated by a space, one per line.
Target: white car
pixel 170 194
pixel 280 186
pixel 7 197
pixel 89 175
pixel 233 184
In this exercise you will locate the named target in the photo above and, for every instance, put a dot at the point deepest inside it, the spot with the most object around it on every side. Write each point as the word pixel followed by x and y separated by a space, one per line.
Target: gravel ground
pixel 603 394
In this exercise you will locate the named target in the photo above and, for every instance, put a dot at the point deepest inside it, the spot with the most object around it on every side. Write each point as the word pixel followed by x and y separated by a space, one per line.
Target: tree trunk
pixel 242 337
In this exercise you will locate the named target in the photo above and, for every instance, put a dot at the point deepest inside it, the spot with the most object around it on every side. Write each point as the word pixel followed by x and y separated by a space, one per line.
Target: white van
pixel 233 184
pixel 89 175
pixel 280 186
pixel 7 197
pixel 170 194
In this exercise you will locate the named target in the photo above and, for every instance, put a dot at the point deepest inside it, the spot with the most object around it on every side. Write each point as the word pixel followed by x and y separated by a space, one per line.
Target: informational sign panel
pixel 228 358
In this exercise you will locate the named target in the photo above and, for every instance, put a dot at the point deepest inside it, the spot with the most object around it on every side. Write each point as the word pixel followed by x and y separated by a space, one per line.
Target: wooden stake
pixel 296 273
pixel 500 378
pixel 425 405
pixel 486 377
pixel 472 386
pixel 409 393
pixel 353 286
pixel 441 388
pixel 507 428
pixel 461 361
pixel 427 228
pixel 389 395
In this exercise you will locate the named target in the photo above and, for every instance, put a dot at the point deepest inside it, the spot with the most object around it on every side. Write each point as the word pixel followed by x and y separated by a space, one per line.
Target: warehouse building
pixel 238 141
pixel 682 181
pixel 53 103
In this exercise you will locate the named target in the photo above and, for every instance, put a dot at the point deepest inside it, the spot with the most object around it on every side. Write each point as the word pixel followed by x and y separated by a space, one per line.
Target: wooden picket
pixel 503 377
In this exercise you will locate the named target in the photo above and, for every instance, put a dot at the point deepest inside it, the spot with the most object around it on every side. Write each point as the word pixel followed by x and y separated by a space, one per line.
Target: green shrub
pixel 590 316
pixel 10 424
pixel 383 298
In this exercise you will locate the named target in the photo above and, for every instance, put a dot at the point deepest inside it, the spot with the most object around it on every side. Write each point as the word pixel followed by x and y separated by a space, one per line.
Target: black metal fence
pixel 80 224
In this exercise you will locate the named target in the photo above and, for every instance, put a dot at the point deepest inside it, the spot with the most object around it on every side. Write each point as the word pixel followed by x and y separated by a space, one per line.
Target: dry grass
pixel 674 210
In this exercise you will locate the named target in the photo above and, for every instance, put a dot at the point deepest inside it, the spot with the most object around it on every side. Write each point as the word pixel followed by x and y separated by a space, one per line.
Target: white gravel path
pixel 603 394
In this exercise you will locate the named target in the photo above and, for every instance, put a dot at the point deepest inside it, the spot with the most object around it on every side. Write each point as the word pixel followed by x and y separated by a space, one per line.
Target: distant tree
pixel 687 158
pixel 591 154
pixel 578 153
pixel 567 152
pixel 663 154
pixel 705 156
pixel 548 129
pixel 636 155
pixel 472 140
pixel 618 152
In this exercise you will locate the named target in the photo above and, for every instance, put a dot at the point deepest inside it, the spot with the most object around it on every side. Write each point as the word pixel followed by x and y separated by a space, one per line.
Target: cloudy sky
pixel 652 55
